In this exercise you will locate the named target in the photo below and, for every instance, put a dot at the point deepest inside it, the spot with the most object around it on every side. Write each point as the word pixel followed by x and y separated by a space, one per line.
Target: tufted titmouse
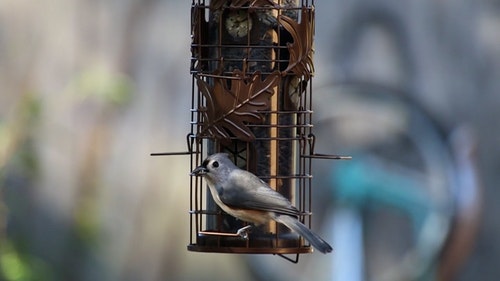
pixel 248 198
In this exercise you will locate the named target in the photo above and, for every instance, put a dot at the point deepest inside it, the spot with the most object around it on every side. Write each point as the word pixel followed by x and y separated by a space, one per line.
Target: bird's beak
pixel 199 171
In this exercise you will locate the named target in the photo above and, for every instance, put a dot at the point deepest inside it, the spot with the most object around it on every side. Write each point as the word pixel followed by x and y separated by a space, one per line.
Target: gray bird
pixel 248 198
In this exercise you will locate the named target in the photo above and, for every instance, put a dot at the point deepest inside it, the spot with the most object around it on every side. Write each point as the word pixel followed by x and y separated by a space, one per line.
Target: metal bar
pixel 327 156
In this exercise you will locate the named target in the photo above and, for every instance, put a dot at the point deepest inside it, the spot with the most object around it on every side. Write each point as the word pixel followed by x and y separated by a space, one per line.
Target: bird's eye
pixel 215 164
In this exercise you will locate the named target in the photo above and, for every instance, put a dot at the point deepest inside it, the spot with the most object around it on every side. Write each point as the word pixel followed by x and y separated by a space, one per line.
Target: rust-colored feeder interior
pixel 251 67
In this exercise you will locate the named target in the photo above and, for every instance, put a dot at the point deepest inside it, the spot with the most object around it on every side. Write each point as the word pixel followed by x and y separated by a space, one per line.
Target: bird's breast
pixel 256 217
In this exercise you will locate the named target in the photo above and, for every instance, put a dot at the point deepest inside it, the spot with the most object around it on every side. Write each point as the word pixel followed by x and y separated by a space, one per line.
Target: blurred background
pixel 90 88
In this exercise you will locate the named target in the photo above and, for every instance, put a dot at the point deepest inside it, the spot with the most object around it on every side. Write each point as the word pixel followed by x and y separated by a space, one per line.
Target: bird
pixel 245 196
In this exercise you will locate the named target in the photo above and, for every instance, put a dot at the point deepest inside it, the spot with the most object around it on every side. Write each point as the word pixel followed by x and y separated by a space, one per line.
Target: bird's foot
pixel 243 231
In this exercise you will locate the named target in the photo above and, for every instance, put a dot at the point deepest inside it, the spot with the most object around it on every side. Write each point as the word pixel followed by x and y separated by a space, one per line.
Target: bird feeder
pixel 252 69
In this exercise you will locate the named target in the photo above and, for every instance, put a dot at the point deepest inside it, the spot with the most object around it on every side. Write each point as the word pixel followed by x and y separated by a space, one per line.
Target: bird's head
pixel 213 165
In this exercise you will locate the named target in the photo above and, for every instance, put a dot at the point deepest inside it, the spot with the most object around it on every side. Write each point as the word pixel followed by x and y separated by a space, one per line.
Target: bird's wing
pixel 245 190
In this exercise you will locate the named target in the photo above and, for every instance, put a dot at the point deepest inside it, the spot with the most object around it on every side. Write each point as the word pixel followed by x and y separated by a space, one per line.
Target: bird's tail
pixel 313 238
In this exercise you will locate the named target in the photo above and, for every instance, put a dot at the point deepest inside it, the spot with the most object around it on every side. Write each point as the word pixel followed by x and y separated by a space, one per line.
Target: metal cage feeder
pixel 252 69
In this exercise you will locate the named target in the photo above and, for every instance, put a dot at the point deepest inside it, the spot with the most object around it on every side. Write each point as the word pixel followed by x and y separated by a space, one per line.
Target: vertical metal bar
pixel 308 95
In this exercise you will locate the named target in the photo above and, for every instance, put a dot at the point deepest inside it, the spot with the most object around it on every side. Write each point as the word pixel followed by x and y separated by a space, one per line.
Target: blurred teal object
pixel 365 182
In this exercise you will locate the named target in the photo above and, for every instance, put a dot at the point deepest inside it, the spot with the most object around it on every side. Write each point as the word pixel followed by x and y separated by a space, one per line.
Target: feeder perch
pixel 252 69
